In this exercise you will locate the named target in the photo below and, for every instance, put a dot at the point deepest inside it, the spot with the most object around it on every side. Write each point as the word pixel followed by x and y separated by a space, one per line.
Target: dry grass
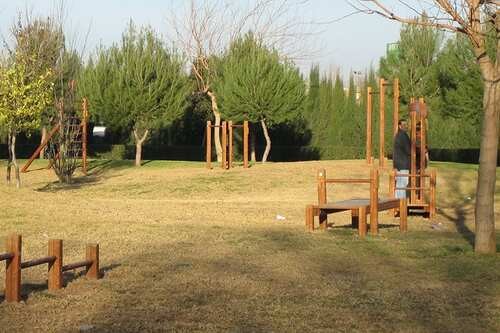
pixel 188 249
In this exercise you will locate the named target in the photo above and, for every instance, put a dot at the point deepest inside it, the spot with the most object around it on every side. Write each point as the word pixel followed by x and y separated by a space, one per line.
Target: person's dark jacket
pixel 402 151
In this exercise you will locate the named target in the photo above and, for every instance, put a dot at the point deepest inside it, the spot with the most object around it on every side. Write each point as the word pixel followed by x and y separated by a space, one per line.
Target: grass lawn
pixel 189 249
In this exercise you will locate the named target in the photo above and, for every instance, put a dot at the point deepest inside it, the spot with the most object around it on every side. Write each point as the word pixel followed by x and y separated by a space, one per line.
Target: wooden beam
pixel 374 176
pixel 323 219
pixel 230 157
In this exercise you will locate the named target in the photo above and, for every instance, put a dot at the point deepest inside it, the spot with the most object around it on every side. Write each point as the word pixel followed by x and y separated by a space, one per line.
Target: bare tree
pixel 478 20
pixel 209 27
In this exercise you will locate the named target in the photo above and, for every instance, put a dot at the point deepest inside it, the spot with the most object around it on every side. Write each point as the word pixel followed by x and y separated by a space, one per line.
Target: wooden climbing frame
pixel 369 110
pixel 227 130
pixel 55 129
pixel 422 181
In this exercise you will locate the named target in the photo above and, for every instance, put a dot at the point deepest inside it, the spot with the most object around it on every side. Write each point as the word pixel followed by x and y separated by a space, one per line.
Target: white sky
pixel 350 44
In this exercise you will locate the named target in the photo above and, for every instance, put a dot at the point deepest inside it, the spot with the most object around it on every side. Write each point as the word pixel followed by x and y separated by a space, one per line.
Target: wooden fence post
pixel 55 268
pixel 92 254
pixel 323 219
pixel 209 145
pixel 382 124
pixel 245 143
pixel 13 269
pixel 374 179
pixel 369 108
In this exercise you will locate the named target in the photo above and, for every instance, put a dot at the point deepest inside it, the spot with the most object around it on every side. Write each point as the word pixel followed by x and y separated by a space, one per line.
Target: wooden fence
pixel 54 259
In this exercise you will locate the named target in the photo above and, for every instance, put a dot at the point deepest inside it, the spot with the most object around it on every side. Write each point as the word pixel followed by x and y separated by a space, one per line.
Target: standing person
pixel 401 158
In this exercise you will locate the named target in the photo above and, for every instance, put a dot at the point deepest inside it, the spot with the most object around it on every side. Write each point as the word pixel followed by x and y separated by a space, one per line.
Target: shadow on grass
pixel 459 213
pixel 278 280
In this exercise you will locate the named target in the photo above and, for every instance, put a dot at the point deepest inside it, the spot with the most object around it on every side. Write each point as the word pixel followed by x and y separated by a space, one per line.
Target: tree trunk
pixel 9 160
pixel 44 136
pixel 253 156
pixel 139 141
pixel 268 141
pixel 215 110
pixel 485 238
pixel 13 160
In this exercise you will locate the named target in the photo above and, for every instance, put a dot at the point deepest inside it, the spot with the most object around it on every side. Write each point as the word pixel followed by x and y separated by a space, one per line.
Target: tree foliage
pixel 138 85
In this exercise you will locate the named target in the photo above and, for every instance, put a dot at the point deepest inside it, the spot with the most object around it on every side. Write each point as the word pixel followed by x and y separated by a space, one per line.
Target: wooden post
pixel 13 269
pixel 403 215
pixel 369 108
pixel 92 254
pixel 395 116
pixel 423 143
pixel 432 196
pixel 55 268
pixel 323 220
pixel 84 134
pixel 392 187
pixel 413 157
pixel 374 179
pixel 230 161
pixel 309 218
pixel 245 143
pixel 209 145
pixel 224 145
pixel 382 123
pixel 362 222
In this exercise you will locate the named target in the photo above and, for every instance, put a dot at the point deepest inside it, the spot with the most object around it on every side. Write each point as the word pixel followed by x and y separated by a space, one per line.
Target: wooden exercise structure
pixel 359 207
pixel 54 259
pixel 55 129
pixel 369 110
pixel 226 129
pixel 422 181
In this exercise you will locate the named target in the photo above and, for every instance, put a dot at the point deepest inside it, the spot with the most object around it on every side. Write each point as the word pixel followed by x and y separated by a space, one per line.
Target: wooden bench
pixel 359 208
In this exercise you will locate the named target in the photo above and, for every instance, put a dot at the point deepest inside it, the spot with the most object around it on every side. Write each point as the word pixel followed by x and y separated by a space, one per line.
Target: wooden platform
pixel 359 208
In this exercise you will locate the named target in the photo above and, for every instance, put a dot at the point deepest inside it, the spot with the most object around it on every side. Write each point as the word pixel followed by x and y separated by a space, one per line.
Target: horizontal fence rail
pixel 54 260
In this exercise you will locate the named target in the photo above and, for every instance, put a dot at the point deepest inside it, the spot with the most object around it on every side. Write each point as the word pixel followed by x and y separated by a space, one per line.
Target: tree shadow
pixel 459 213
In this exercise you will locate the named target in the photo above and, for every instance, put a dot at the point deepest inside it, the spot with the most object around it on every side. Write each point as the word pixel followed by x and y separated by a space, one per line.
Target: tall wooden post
pixel 84 134
pixel 374 180
pixel 92 254
pixel 224 145
pixel 423 143
pixel 245 143
pixel 369 108
pixel 55 268
pixel 230 157
pixel 413 158
pixel 382 123
pixel 13 269
pixel 209 145
pixel 395 116
pixel 323 220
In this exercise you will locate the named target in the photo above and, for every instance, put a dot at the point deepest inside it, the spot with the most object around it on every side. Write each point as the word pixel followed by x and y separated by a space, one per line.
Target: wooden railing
pixel 54 260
